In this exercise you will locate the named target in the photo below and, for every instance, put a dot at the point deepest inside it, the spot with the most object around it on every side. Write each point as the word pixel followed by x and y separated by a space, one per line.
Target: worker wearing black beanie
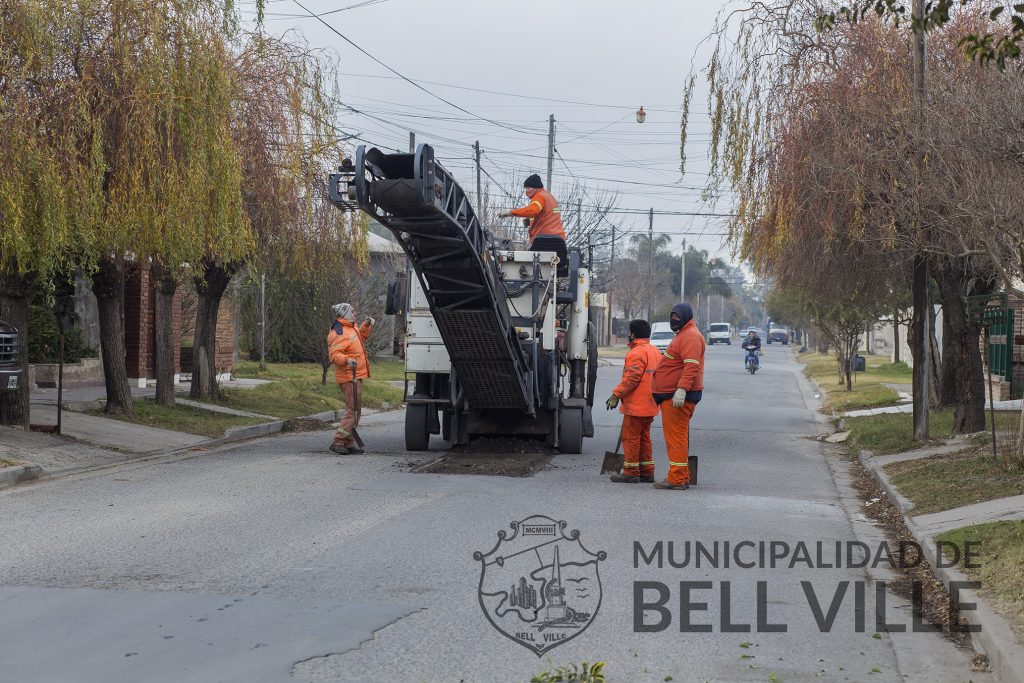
pixel 543 211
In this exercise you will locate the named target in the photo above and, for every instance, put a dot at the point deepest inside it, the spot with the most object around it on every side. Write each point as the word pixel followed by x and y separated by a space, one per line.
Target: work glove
pixel 679 398
pixel 353 363
pixel 371 322
pixel 612 403
pixel 504 214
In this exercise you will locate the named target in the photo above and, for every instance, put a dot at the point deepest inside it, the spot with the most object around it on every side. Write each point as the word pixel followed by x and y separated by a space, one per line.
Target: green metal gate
pixel 995 315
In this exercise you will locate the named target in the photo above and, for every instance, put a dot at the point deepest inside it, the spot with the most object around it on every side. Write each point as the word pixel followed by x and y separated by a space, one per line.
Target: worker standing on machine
pixel 347 351
pixel 677 387
pixel 638 407
pixel 543 212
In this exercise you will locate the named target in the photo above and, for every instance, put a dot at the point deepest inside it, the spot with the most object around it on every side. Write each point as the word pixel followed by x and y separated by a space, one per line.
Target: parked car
pixel 719 333
pixel 10 367
pixel 778 334
pixel 661 335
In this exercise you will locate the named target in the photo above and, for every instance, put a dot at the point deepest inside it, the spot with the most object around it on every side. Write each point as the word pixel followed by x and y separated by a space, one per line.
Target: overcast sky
pixel 605 57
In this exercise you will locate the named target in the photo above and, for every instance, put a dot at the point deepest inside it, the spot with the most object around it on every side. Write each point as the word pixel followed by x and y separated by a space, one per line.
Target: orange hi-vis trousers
pixel 637 446
pixel 675 423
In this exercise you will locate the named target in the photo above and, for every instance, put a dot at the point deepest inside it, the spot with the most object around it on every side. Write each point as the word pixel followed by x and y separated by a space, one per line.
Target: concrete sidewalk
pixel 908 408
pixel 51 452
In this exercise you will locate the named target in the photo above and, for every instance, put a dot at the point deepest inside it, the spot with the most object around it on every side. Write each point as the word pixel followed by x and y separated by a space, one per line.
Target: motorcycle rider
pixel 752 345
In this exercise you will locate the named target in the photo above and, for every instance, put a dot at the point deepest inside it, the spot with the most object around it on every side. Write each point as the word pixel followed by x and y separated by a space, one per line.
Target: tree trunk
pixel 896 337
pixel 935 384
pixel 210 288
pixel 963 373
pixel 15 289
pixel 326 367
pixel 108 286
pixel 164 287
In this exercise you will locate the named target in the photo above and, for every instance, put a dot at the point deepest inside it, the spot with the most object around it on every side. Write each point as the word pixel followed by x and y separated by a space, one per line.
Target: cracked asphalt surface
pixel 275 560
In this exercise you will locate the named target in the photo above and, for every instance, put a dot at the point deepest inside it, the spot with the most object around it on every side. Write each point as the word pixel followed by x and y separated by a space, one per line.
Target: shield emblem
pixel 539 586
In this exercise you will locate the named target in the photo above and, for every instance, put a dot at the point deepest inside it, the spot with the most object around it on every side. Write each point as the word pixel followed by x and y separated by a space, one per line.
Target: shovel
pixel 613 459
pixel 357 391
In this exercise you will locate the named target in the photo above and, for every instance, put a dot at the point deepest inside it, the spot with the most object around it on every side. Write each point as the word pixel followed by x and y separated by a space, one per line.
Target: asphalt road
pixel 276 561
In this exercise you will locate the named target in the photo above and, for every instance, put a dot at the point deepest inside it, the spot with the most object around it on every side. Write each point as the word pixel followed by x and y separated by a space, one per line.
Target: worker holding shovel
pixel 638 407
pixel 346 349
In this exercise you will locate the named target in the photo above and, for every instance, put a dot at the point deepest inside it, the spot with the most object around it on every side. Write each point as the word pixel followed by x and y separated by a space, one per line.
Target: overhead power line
pixel 406 78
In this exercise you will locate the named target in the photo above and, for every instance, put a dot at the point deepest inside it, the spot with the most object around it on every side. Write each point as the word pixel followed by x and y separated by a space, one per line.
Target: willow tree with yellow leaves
pixel 158 135
pixel 35 155
pixel 282 125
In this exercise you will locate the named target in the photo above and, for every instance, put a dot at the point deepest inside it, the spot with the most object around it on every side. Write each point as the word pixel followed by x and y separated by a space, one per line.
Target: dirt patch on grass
pixel 948 481
pixel 304 424
pixel 998 563
pixel 495 457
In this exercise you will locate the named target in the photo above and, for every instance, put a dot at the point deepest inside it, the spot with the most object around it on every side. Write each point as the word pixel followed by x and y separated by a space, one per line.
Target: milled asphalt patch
pixel 995 637
pixel 440 483
pixel 90 635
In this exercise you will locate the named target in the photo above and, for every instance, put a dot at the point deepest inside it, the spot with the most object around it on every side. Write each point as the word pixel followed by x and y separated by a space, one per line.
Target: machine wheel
pixel 446 426
pixel 417 427
pixel 570 430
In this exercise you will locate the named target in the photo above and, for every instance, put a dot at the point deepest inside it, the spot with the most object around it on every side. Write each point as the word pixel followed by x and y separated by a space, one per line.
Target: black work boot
pixel 339 449
pixel 625 479
pixel 355 450
pixel 670 487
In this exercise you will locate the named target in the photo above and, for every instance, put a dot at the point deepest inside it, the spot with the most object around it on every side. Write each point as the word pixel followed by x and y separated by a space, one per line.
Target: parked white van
pixel 719 333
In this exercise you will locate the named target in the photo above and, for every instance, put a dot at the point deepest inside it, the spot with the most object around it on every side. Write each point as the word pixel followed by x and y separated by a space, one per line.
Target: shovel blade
pixel 612 462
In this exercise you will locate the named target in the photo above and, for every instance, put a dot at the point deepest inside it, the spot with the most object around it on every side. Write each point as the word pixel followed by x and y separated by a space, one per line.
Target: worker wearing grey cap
pixel 347 351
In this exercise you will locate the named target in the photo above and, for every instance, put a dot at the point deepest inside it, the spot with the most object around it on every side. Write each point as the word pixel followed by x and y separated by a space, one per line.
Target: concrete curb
pixel 250 431
pixel 996 639
pixel 19 473
pixel 326 416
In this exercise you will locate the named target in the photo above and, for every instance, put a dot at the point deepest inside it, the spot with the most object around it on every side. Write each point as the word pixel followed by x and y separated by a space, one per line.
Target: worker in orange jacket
pixel 638 407
pixel 678 386
pixel 543 212
pixel 347 352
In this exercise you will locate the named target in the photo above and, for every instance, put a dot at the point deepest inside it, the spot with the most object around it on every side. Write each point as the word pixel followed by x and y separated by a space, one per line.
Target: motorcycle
pixel 753 361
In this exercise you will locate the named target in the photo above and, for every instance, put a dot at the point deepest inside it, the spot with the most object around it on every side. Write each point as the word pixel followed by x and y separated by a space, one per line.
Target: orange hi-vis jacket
pixel 683 364
pixel 345 342
pixel 637 375
pixel 546 217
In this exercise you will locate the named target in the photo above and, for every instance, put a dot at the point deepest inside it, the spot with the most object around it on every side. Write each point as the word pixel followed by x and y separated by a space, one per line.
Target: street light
pixel 640 115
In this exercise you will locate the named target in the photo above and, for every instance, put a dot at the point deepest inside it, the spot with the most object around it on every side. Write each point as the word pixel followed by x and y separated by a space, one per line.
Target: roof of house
pixel 382 245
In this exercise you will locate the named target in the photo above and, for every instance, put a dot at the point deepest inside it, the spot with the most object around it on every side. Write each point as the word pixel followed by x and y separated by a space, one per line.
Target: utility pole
pixel 551 149
pixel 263 321
pixel 479 193
pixel 922 306
pixel 412 142
pixel 650 264
pixel 682 275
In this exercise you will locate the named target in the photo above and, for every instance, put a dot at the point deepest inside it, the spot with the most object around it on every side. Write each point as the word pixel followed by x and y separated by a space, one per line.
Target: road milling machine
pixel 498 338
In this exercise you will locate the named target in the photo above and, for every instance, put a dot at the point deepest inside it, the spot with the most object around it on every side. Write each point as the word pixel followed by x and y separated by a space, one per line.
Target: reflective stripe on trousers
pixel 638 450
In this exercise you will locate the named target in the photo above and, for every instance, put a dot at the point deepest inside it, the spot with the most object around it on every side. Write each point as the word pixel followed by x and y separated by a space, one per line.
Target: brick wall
pixel 139 342
pixel 226 332
pixel 140 324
